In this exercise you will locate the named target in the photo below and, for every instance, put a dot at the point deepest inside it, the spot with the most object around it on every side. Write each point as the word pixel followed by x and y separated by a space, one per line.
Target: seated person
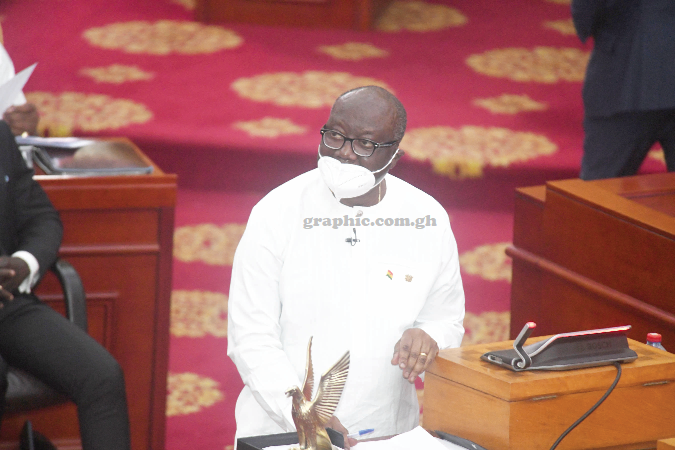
pixel 391 295
pixel 34 337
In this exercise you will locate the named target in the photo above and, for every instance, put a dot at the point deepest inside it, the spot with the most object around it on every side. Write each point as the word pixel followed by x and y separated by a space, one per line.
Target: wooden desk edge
pixel 515 386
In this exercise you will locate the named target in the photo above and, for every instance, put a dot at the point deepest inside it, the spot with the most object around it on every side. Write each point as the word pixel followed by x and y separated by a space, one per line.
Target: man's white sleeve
pixel 442 316
pixel 254 310
pixel 34 267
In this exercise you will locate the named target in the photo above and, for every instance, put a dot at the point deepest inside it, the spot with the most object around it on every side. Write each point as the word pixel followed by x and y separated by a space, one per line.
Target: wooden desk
pixel 354 14
pixel 596 254
pixel 118 233
pixel 500 409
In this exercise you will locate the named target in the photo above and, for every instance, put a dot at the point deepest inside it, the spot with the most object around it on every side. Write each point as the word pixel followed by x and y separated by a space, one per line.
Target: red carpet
pixel 493 95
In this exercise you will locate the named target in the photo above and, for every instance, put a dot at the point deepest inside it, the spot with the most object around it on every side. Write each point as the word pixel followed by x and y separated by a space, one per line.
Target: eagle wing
pixel 330 389
pixel 308 384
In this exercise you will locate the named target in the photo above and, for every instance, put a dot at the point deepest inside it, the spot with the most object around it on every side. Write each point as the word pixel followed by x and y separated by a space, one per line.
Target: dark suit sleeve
pixel 585 15
pixel 32 224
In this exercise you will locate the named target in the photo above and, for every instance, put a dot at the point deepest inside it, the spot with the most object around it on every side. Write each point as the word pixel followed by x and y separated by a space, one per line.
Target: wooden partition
pixel 593 254
pixel 353 14
pixel 118 234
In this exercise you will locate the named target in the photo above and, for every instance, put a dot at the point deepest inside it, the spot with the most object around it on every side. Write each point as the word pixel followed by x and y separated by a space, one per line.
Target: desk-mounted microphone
pixel 353 240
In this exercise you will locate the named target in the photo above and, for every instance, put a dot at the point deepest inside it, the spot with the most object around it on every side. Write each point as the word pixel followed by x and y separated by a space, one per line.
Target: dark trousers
pixel 35 338
pixel 616 146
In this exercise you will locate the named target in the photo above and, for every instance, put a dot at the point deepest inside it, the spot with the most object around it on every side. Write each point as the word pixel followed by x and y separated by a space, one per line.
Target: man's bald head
pixel 376 96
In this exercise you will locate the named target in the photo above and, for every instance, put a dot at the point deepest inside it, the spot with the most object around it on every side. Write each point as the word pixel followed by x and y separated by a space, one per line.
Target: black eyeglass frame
pixel 376 145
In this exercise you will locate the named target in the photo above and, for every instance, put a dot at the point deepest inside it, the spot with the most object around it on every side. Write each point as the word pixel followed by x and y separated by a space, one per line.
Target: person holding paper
pixel 34 337
pixel 22 117
pixel 358 259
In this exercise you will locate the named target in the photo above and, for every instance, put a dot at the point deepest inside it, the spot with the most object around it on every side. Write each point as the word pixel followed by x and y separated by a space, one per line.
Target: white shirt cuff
pixel 34 268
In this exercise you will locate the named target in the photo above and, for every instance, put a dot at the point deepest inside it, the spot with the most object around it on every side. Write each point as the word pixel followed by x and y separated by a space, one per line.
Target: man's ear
pixel 398 156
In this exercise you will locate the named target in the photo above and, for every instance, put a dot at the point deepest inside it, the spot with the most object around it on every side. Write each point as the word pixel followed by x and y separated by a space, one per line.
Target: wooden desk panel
pixel 595 254
pixel 118 234
pixel 500 409
pixel 353 14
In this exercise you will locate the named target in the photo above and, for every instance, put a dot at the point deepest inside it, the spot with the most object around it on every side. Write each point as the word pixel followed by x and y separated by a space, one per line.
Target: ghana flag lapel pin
pixel 390 274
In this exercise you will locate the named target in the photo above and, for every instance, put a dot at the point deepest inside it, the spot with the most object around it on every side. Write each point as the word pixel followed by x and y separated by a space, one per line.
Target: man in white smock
pixel 358 261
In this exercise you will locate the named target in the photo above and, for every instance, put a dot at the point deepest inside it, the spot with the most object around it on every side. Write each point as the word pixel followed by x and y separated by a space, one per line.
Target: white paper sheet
pixel 12 87
pixel 418 439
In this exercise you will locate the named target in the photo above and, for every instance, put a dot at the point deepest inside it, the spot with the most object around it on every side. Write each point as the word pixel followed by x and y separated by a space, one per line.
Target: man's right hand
pixel 335 424
pixel 22 119
pixel 12 273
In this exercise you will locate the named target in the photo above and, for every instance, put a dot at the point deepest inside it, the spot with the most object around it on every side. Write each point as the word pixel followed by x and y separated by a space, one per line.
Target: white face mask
pixel 348 180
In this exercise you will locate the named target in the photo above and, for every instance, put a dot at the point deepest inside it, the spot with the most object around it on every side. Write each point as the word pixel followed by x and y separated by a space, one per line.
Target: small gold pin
pixel 408 278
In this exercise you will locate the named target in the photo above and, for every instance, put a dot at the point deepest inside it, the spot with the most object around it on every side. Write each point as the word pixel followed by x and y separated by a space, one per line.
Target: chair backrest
pixel 25 392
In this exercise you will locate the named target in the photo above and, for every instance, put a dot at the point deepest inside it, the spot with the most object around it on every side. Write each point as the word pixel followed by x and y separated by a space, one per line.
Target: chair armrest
pixel 73 293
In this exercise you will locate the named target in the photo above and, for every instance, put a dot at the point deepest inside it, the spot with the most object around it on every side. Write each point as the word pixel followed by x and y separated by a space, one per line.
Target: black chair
pixel 26 393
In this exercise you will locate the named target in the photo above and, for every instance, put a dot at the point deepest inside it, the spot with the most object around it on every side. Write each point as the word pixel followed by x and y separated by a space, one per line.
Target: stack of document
pixel 55 142
pixel 85 157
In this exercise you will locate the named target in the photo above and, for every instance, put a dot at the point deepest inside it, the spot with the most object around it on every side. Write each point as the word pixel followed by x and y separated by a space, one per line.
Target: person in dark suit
pixel 34 337
pixel 629 90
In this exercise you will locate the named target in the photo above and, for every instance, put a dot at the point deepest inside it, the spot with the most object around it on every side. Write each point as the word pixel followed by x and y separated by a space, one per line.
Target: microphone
pixel 353 240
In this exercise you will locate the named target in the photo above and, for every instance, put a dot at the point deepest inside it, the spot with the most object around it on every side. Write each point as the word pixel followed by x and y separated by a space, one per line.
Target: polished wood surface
pixel 501 409
pixel 666 444
pixel 594 254
pixel 118 233
pixel 353 14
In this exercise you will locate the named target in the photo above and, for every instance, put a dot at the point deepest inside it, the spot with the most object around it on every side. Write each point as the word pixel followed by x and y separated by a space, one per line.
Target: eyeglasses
pixel 362 147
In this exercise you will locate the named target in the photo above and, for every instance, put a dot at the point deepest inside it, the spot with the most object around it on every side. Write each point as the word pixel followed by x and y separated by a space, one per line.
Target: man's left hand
pixel 12 272
pixel 414 352
pixel 22 119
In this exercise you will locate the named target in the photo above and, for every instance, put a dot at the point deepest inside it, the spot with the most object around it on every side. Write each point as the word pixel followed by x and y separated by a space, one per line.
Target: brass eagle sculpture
pixel 311 416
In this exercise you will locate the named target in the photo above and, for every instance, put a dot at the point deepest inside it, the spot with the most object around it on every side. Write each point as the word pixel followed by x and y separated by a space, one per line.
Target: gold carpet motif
pixel 190 5
pixel 510 104
pixel 464 152
pixel 353 51
pixel 62 113
pixel 163 37
pixel 207 243
pixel 310 89
pixel 565 27
pixel 487 327
pixel 189 393
pixel 269 127
pixel 198 313
pixel 560 2
pixel 419 16
pixel 542 64
pixel 116 74
pixel 658 155
pixel 488 261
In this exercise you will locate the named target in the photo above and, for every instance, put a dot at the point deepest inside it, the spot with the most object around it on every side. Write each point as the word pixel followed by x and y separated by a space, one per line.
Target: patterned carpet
pixel 492 89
